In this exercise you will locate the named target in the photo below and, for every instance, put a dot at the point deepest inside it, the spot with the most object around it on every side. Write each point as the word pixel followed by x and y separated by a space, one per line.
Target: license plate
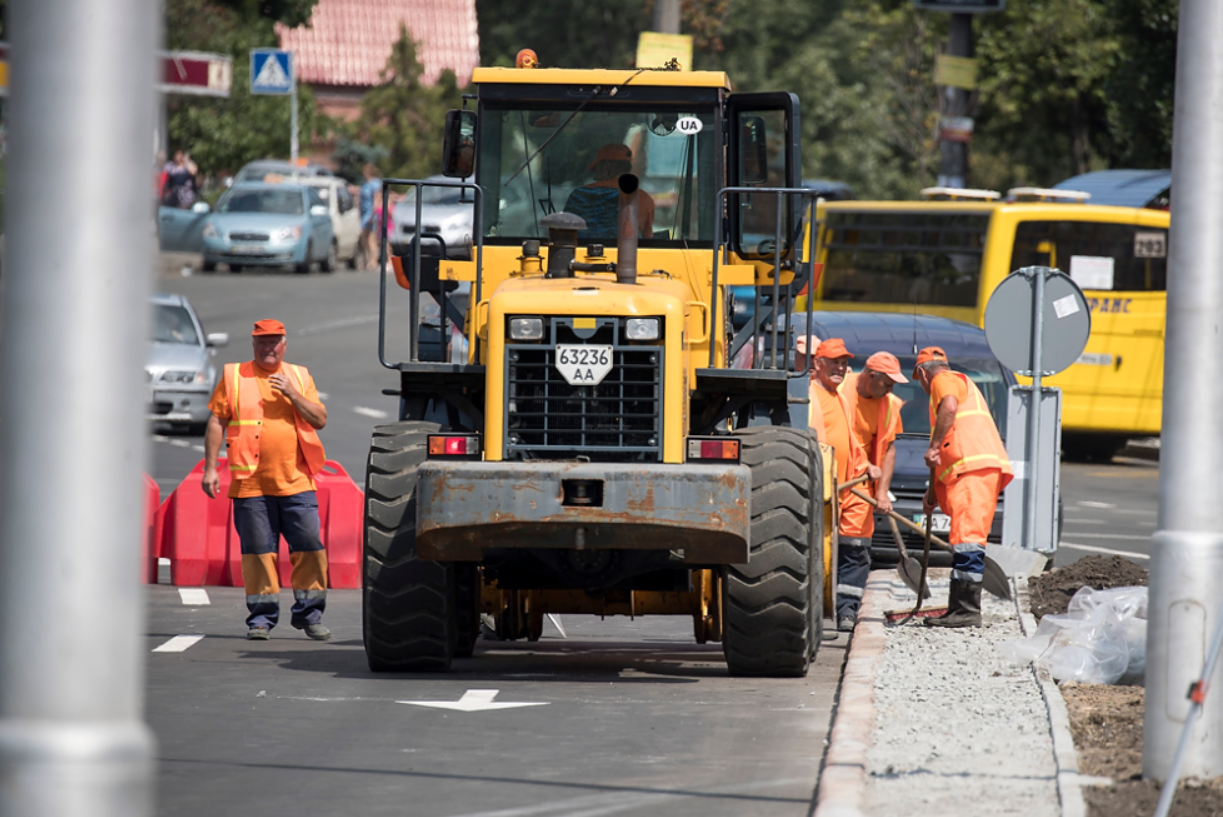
pixel 585 364
pixel 940 523
pixel 246 249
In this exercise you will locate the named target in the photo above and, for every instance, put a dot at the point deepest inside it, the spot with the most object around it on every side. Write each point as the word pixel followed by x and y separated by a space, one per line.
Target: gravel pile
pixel 956 725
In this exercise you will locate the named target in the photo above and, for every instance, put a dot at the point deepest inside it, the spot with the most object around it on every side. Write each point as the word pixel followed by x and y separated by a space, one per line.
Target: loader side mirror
pixel 459 144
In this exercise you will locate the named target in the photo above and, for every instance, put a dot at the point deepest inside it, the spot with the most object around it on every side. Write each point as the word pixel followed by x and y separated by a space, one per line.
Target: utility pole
pixel 1186 582
pixel 953 156
pixel 72 442
pixel 666 16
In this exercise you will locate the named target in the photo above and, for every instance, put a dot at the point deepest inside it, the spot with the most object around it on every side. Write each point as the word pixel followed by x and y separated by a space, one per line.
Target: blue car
pixel 270 225
pixel 864 334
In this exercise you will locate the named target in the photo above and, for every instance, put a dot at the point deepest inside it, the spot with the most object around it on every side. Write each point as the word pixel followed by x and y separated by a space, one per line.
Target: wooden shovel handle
pixel 908 523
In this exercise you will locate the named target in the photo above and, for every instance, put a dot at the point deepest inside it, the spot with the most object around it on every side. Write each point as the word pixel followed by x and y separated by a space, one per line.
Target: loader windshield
pixel 671 150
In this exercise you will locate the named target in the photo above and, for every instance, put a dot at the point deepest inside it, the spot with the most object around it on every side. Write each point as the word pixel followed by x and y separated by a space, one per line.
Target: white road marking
pixel 180 443
pixel 194 596
pixel 1086 521
pixel 338 323
pixel 377 414
pixel 1087 503
pixel 1131 554
pixel 473 700
pixel 163 562
pixel 179 643
pixel 198 448
pixel 1110 536
pixel 324 395
pixel 556 620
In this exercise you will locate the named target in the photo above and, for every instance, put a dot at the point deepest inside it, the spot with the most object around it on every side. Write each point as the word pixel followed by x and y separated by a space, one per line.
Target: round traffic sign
pixel 1066 320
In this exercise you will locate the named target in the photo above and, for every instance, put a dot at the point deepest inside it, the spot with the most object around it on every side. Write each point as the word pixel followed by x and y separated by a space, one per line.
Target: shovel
pixel 908 568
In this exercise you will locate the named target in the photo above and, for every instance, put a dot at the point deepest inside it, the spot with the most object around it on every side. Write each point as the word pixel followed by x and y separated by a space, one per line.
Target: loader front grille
pixel 618 420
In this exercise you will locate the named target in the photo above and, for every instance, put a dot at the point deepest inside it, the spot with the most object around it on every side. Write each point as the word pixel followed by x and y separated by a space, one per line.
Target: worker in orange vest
pixel 970 467
pixel 876 417
pixel 829 414
pixel 268 412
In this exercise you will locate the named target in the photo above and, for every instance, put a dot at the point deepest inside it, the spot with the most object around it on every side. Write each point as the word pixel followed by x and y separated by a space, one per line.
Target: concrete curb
pixel 1069 785
pixel 843 779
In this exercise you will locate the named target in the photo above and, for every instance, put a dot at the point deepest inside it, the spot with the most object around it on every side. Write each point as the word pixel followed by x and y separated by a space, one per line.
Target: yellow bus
pixel 946 257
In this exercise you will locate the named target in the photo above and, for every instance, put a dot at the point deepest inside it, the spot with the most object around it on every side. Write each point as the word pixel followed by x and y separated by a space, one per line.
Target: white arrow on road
pixel 473 700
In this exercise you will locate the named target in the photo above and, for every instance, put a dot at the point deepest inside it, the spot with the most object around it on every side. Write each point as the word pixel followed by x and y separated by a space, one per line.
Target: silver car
pixel 445 211
pixel 180 368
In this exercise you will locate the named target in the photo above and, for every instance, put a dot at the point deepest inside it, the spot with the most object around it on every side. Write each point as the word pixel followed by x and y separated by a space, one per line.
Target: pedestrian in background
pixel 268 412
pixel 969 467
pixel 370 190
pixel 830 414
pixel 179 187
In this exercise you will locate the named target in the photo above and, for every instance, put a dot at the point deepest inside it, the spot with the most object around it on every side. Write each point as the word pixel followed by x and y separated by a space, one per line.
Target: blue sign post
pixel 274 74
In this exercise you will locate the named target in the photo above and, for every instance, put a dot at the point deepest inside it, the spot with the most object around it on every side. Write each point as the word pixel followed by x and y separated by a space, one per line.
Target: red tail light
pixel 467 445
pixel 718 448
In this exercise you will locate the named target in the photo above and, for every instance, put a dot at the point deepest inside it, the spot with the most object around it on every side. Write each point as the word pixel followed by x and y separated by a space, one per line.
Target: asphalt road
pixel 636 717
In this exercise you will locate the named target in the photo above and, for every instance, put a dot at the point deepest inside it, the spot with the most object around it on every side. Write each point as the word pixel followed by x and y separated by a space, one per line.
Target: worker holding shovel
pixel 876 416
pixel 970 467
pixel 831 417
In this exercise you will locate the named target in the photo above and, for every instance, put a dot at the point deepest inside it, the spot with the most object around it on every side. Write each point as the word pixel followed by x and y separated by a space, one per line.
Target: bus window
pixel 1139 254
pixel 928 259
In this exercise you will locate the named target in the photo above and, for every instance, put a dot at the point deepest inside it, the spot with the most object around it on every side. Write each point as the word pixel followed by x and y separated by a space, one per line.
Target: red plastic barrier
pixel 148 550
pixel 197 534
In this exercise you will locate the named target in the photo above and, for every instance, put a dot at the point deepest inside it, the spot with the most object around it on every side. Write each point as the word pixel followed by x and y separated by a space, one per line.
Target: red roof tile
pixel 348 41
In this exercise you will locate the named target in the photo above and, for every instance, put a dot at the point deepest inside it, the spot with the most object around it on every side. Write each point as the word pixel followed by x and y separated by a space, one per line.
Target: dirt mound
pixel 1051 592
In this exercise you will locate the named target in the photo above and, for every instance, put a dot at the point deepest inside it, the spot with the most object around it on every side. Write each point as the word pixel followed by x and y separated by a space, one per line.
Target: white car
pixel 345 220
pixel 180 369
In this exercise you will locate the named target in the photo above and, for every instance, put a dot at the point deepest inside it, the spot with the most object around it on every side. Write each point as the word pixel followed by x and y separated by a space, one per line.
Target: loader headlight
pixel 526 328
pixel 641 328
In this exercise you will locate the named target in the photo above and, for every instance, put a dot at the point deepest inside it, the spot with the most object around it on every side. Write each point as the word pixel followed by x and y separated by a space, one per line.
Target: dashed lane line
pixel 194 596
pixel 338 323
pixel 179 643
pixel 377 414
pixel 1111 536
pixel 1107 551
pixel 177 443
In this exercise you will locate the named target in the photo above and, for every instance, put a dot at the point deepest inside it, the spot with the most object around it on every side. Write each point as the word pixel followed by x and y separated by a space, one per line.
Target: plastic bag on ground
pixel 1101 639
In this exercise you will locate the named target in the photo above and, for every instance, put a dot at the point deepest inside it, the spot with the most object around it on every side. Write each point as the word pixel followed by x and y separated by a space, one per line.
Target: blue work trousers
pixel 261 521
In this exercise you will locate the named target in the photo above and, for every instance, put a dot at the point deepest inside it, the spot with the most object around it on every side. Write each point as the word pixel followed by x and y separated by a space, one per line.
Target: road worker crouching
pixel 969 467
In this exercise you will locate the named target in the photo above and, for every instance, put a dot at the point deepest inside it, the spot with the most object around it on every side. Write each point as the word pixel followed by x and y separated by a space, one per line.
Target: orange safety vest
pixel 815 421
pixel 889 415
pixel 972 443
pixel 246 418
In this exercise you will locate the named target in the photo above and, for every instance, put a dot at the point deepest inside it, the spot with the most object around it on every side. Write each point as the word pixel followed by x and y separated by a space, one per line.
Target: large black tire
pixel 772 611
pixel 409 606
pixel 329 262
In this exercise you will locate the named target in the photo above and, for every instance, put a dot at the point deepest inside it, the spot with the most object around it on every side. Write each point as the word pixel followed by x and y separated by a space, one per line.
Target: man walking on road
pixel 831 416
pixel 876 417
pixel 268 412
pixel 969 468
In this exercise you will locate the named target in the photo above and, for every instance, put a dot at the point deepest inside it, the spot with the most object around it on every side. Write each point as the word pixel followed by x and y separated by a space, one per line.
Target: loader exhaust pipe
pixel 563 229
pixel 626 234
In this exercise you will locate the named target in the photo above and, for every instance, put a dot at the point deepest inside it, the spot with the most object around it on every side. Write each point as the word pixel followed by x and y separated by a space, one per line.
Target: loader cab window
pixel 671 150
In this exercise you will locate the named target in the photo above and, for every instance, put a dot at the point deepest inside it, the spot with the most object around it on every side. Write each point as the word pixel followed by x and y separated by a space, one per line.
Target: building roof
pixel 1121 188
pixel 348 42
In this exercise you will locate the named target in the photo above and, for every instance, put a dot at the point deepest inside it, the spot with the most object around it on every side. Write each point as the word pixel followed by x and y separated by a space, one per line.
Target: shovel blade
pixel 910 574
pixel 1003 563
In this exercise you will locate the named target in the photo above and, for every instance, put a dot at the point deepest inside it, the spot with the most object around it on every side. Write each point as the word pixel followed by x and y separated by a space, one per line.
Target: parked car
pixel 345 220
pixel 864 334
pixel 445 211
pixel 263 170
pixel 180 368
pixel 261 224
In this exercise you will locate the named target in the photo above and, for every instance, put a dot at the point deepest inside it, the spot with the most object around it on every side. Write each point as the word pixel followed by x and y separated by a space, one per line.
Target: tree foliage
pixel 224 134
pixel 404 117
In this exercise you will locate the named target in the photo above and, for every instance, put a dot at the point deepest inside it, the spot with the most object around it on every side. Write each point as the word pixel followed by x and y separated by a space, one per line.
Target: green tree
pixel 404 117
pixel 562 34
pixel 224 134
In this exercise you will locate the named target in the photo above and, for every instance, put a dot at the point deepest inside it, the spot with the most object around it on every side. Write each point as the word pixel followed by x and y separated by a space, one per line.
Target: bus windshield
pixel 987 374
pixel 923 259
pixel 670 150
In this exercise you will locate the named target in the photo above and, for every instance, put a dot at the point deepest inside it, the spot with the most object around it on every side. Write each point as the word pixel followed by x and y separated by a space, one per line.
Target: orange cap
pixel 614 152
pixel 886 363
pixel 928 354
pixel 268 327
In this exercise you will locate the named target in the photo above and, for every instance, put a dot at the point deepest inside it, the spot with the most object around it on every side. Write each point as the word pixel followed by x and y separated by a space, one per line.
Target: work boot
pixel 316 631
pixel 963 606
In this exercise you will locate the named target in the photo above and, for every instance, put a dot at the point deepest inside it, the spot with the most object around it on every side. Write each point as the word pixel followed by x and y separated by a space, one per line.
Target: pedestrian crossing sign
pixel 271 71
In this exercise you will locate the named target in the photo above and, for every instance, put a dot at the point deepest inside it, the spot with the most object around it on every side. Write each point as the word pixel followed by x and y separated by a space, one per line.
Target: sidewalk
pixel 933 722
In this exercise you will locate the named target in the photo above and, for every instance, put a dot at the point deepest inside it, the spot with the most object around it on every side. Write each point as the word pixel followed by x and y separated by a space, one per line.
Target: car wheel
pixel 304 267
pixel 328 264
pixel 209 266
pixel 235 268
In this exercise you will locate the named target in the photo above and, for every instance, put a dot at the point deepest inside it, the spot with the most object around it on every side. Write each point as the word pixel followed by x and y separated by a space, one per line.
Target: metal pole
pixel 293 108
pixel 953 156
pixel 666 16
pixel 1186 581
pixel 75 315
pixel 1038 329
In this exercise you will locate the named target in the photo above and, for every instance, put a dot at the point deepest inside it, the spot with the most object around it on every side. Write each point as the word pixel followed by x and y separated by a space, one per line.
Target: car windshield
pixel 435 195
pixel 173 324
pixel 985 373
pixel 671 149
pixel 287 202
